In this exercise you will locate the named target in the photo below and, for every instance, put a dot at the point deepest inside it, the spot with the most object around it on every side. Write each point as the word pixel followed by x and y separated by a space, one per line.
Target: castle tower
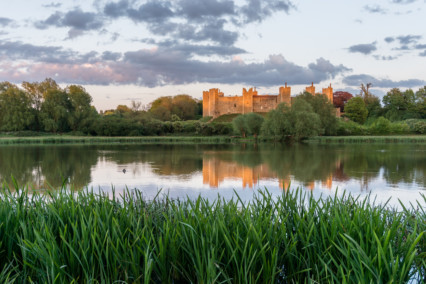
pixel 210 99
pixel 248 100
pixel 328 92
pixel 311 89
pixel 285 95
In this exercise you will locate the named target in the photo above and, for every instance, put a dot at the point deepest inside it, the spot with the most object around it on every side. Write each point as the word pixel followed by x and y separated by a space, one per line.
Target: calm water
pixel 397 171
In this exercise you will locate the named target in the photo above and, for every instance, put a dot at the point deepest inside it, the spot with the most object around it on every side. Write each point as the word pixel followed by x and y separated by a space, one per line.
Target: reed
pixel 72 237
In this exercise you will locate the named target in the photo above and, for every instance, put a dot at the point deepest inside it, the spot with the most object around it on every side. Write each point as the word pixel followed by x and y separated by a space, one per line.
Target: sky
pixel 128 50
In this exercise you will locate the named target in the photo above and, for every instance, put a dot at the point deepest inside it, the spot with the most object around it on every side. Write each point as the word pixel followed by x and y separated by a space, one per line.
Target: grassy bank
pixel 87 238
pixel 369 139
pixel 66 139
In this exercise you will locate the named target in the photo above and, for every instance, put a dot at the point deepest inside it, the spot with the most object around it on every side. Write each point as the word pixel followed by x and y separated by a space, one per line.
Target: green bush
pixel 349 127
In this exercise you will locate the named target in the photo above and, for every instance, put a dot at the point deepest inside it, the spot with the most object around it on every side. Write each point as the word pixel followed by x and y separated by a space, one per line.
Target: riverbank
pixel 90 238
pixel 369 139
pixel 70 139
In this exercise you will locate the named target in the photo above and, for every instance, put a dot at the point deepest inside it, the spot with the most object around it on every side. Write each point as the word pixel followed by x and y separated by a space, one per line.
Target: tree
pixel 55 111
pixel 277 123
pixel 400 105
pixel 355 110
pixel 340 99
pixel 81 113
pixel 15 108
pixel 306 123
pixel 38 90
pixel 254 123
pixel 240 125
pixel 184 106
pixel 421 102
pixel 325 110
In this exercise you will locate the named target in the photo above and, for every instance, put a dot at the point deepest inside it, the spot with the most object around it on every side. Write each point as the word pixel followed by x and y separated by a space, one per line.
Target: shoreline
pixel 69 139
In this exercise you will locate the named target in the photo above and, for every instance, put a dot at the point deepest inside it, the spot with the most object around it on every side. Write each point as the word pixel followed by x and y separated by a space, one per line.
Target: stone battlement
pixel 216 104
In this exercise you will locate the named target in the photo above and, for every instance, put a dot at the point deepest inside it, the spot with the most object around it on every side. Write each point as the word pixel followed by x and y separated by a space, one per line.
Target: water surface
pixel 390 170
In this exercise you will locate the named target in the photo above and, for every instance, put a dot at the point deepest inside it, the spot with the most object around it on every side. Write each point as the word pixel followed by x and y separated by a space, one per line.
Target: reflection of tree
pixel 164 159
pixel 70 163
pixel 39 166
pixel 306 163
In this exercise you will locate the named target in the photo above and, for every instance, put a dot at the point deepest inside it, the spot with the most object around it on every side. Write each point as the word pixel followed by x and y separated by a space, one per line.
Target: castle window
pixel 235 105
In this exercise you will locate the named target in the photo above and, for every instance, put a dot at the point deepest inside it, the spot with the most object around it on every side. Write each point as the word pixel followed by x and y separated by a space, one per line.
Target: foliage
pixel 183 106
pixel 292 238
pixel 298 122
pixel 240 125
pixel 355 110
pixel 325 110
pixel 15 109
pixel 401 105
pixel 340 99
pixel 248 124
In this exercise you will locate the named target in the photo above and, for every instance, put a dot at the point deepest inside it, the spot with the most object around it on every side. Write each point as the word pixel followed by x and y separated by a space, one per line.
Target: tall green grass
pixel 369 139
pixel 86 237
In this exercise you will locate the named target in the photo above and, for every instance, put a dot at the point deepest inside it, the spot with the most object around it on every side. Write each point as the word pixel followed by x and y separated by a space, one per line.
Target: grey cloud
pixel 258 10
pixel 116 10
pixel 363 48
pixel 77 20
pixel 152 11
pixel 407 39
pixel 423 53
pixel 52 5
pixel 403 1
pixel 156 68
pixel 5 21
pixel 197 9
pixel 375 9
pixel 420 46
pixel 111 56
pixel 389 39
pixel 356 80
pixel 385 58
pixel 325 66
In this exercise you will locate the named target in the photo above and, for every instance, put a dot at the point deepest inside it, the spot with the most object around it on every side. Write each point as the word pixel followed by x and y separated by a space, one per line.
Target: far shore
pixel 70 139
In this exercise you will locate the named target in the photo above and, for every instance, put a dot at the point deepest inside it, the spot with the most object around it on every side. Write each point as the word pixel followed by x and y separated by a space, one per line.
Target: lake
pixel 390 170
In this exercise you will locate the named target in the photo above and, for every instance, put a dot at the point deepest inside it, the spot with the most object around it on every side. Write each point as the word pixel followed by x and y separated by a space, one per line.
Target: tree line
pixel 36 107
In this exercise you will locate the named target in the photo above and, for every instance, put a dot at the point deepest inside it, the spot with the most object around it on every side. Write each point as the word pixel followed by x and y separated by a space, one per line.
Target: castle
pixel 216 104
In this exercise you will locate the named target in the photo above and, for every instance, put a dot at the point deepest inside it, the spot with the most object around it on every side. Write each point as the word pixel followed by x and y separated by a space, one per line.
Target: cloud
pixel 423 53
pixel 52 5
pixel 403 1
pixel 363 48
pixel 153 67
pixel 258 10
pixel 375 9
pixel 385 58
pixel 196 21
pixel 408 39
pixel 357 80
pixel 77 20
pixel 198 9
pixel 5 21
pixel 389 39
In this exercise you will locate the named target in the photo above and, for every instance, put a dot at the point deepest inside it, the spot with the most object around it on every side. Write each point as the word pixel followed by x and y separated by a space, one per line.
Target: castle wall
pixel 228 105
pixel 264 103
pixel 216 104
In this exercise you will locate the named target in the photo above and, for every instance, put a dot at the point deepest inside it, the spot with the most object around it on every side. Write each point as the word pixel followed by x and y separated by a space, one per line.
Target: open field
pixel 84 237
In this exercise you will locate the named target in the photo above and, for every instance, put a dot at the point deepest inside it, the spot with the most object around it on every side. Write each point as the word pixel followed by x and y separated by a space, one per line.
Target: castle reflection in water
pixel 215 171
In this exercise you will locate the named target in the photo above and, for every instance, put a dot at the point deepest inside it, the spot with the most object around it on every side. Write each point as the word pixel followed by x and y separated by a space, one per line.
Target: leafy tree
pixel 240 125
pixel 374 107
pixel 340 99
pixel 184 106
pixel 254 123
pixel 325 110
pixel 400 105
pixel 420 101
pixel 15 108
pixel 355 110
pixel 38 90
pixel 306 123
pixel 81 114
pixel 277 123
pixel 55 111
